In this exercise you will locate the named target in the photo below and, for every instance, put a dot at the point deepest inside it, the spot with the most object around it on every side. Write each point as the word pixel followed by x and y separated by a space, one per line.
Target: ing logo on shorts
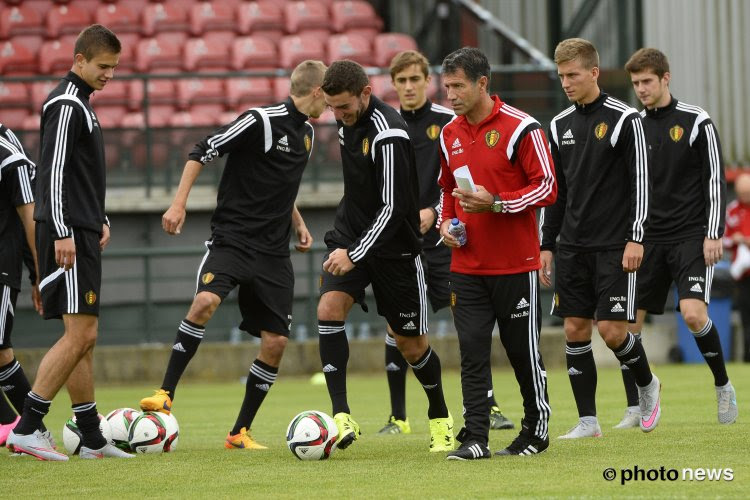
pixel 90 297
pixel 207 278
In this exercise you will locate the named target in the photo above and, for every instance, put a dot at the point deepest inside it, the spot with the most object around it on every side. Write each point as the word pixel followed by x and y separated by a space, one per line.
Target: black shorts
pixel 8 298
pixel 398 285
pixel 438 272
pixel 266 286
pixel 666 263
pixel 593 285
pixel 75 291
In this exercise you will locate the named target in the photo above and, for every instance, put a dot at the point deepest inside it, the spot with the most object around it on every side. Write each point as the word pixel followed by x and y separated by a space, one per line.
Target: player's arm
pixel 714 187
pixel 446 205
pixel 26 214
pixel 632 140
pixel 304 238
pixel 551 217
pixel 392 158
pixel 62 124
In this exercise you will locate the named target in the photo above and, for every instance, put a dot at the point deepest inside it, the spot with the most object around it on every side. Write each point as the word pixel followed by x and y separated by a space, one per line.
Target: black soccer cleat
pixel 470 449
pixel 525 445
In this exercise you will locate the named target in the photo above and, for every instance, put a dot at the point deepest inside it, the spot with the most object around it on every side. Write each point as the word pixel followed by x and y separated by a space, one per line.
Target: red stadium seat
pixel 14 118
pixel 306 15
pixel 115 93
pixel 212 16
pixel 160 91
pixel 20 20
pixel 200 90
pixel 39 93
pixel 16 60
pixel 135 5
pixel 281 88
pixel 129 43
pixel 158 55
pixel 13 95
pixel 56 56
pixel 207 53
pixel 255 17
pixel 387 45
pixel 31 42
pixel 350 46
pixel 158 17
pixel 41 6
pixel 256 52
pixel 294 49
pixel 31 122
pixel 383 88
pixel 354 15
pixel 119 18
pixel 110 116
pixel 247 92
pixel 197 117
pixel 67 19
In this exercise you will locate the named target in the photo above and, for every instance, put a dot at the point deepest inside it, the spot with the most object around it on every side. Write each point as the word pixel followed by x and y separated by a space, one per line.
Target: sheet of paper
pixel 463 179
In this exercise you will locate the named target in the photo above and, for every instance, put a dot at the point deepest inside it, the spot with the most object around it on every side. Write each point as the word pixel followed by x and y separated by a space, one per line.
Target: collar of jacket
pixel 84 87
pixel 294 112
pixel 415 114
pixel 662 112
pixel 592 106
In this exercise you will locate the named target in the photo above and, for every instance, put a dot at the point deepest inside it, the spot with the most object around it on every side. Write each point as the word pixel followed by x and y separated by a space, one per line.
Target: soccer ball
pixel 119 421
pixel 173 432
pixel 148 432
pixel 311 435
pixel 72 434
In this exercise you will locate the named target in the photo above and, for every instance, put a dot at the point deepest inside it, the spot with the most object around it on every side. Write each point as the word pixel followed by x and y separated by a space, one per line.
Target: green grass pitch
pixel 400 466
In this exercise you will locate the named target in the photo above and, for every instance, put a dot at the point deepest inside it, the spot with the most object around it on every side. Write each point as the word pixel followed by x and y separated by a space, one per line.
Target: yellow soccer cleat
pixel 348 430
pixel 395 426
pixel 242 441
pixel 441 434
pixel 160 402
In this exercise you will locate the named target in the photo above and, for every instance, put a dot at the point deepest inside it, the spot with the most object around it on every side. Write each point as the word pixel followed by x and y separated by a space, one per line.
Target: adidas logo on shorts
pixel 178 347
pixel 696 288
pixel 617 308
pixel 392 367
pixel 572 371
pixel 523 303
pixel 329 368
pixel 409 326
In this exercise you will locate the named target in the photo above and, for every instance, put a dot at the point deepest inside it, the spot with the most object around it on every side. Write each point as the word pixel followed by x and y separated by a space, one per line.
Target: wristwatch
pixel 497 205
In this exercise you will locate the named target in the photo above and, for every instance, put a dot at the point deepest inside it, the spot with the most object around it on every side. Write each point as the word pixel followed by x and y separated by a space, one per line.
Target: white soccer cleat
pixel 727 401
pixel 632 418
pixel 106 451
pixel 586 427
pixel 34 444
pixel 649 401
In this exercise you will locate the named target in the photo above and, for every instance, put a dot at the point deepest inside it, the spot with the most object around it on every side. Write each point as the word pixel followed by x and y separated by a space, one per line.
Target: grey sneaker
pixel 35 445
pixel 108 450
pixel 649 401
pixel 727 400
pixel 586 427
pixel 498 421
pixel 632 418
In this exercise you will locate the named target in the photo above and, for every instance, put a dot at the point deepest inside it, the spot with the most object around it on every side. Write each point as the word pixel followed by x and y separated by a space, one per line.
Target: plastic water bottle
pixel 457 229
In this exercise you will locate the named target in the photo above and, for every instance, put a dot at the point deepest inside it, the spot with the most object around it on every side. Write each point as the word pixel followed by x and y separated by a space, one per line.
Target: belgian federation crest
pixel 207 278
pixel 308 143
pixel 491 138
pixel 600 130
pixel 365 146
pixel 676 133
pixel 90 297
pixel 433 131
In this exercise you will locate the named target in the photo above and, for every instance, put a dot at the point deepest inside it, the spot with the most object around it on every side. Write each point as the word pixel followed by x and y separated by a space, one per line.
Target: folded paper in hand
pixel 463 179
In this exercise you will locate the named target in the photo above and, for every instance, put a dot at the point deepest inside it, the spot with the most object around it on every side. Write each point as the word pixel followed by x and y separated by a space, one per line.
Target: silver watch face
pixel 497 206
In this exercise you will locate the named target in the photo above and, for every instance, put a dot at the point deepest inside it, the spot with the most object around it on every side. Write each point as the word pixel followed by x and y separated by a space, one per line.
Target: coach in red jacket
pixel 494 276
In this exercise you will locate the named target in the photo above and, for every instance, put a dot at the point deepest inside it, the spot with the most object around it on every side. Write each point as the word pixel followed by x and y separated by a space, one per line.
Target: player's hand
pixel 473 203
pixel 65 253
pixel 448 239
pixel 173 219
pixel 545 273
pixel 426 220
pixel 713 251
pixel 36 299
pixel 632 257
pixel 338 262
pixel 105 237
pixel 304 238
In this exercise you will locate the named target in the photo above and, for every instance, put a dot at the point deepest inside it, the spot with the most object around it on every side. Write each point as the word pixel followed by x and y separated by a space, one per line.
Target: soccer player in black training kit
pixel 410 76
pixel 376 240
pixel 599 150
pixel 686 220
pixel 268 150
pixel 17 236
pixel 71 232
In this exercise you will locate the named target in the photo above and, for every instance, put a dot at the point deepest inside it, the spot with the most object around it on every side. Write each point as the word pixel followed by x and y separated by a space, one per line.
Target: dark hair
pixel 471 60
pixel 648 59
pixel 94 40
pixel 345 76
pixel 403 60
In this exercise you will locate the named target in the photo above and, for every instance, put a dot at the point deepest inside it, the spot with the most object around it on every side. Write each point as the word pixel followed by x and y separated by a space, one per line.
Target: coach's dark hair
pixel 94 40
pixel 647 59
pixel 345 76
pixel 471 60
